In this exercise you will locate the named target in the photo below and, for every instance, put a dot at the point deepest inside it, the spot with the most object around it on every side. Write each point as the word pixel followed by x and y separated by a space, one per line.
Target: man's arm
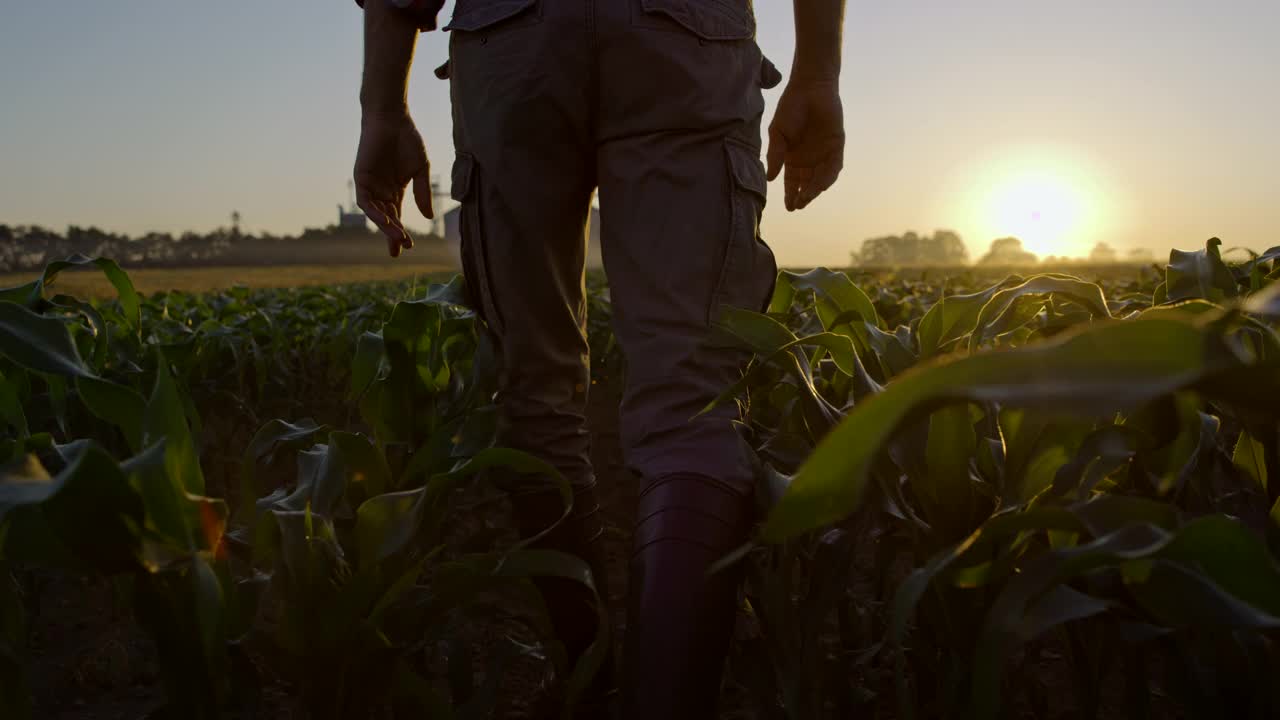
pixel 807 133
pixel 389 40
pixel 819 31
pixel 391 152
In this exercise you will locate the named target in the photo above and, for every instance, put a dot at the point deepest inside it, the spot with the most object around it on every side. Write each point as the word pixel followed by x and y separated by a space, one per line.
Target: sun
pixel 1054 198
pixel 1045 209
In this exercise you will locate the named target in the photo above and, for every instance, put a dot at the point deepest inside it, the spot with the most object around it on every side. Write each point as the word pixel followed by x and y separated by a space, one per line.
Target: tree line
pixel 945 248
pixel 31 247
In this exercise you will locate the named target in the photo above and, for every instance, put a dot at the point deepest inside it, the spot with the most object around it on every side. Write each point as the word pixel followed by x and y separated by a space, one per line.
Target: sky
pixel 1139 123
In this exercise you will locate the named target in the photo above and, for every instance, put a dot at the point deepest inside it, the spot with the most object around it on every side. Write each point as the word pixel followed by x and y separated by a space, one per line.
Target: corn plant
pixel 354 551
pixel 73 504
pixel 1052 464
pixel 341 579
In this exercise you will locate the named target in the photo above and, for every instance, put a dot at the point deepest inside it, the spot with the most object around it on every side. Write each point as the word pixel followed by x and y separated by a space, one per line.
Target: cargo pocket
pixel 749 270
pixel 486 15
pixel 708 19
pixel 472 247
pixel 769 75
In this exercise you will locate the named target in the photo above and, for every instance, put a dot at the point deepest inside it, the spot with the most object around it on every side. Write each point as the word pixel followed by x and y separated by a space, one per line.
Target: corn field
pixel 1030 496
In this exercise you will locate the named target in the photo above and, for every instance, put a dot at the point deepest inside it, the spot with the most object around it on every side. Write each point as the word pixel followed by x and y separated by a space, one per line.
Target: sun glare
pixel 1044 209
pixel 1051 198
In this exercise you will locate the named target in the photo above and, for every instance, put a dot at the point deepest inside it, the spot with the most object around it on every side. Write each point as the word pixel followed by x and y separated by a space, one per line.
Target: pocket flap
pixel 460 186
pixel 708 19
pixel 746 168
pixel 769 75
pixel 470 15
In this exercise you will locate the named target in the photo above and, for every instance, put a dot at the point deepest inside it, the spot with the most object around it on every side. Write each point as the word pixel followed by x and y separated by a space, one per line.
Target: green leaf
pixel 39 343
pixel 85 517
pixel 1200 274
pixel 183 523
pixel 130 301
pixel 1096 370
pixel 386 524
pixel 26 295
pixel 946 489
pixel 1160 295
pixel 978 545
pixel 274 436
pixel 759 333
pixel 1232 557
pixel 320 486
pixel 836 296
pixel 549 563
pixel 954 317
pixel 119 405
pixel 1061 604
pixel 30 294
pixel 995 315
pixel 1266 302
pixel 183 610
pixel 166 418
pixel 774 343
pixel 1250 458
pixel 1008 616
pixel 533 470
pixel 101 331
pixel 366 363
pixel 1110 513
pixel 11 405
pixel 365 466
pixel 1179 596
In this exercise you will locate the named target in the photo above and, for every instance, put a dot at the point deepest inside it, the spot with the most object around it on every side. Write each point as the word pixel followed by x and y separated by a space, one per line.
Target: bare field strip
pixel 206 279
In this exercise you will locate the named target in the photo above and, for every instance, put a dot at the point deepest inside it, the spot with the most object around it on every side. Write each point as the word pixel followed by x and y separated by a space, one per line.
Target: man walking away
pixel 658 105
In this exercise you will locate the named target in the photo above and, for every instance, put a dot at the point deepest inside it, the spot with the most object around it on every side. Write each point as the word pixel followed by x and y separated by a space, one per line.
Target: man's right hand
pixel 806 138
pixel 390 156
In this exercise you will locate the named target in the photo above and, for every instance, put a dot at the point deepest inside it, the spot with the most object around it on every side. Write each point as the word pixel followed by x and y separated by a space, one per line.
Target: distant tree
pixel 1103 254
pixel 942 248
pixel 6 233
pixel 876 252
pixel 155 238
pixel 1007 251
pixel 1140 256
pixel 35 232
pixel 948 249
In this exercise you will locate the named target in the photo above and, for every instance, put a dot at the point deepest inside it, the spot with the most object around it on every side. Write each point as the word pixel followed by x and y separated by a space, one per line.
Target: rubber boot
pixel 570 605
pixel 680 617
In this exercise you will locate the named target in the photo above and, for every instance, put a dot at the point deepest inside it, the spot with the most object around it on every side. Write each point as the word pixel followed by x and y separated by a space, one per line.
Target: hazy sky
pixel 1135 122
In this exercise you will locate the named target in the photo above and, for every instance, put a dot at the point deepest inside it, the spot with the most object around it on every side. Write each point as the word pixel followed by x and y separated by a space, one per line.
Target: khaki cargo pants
pixel 657 103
